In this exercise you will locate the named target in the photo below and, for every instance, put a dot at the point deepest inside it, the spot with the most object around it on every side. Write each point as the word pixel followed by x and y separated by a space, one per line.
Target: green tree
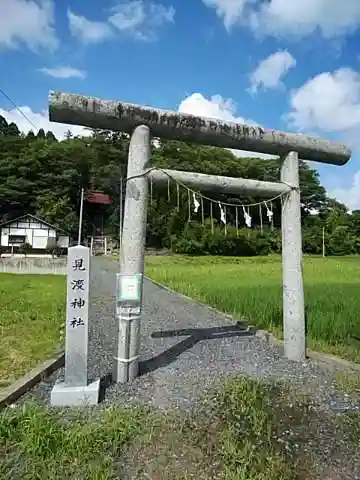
pixel 3 125
pixel 13 130
pixel 41 134
pixel 43 176
pixel 30 136
pixel 51 137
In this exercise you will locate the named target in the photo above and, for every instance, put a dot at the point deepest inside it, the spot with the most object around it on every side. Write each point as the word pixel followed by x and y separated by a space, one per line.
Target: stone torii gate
pixel 143 122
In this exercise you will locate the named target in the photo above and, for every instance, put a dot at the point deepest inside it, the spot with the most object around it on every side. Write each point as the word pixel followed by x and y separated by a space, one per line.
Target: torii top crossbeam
pixel 124 117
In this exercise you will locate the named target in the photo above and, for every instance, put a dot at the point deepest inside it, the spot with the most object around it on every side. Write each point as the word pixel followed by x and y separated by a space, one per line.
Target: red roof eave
pixel 98 198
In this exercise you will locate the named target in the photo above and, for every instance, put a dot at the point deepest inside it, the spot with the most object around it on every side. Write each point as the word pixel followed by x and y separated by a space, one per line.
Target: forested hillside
pixel 43 176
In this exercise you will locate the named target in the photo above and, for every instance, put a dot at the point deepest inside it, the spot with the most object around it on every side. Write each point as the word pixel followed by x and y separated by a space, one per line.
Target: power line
pixel 18 109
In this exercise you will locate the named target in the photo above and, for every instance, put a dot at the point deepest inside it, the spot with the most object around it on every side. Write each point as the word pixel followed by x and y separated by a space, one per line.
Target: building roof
pixel 101 198
pixel 40 220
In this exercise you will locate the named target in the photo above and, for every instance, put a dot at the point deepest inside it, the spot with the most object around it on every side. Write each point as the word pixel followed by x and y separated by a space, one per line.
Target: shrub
pixel 199 239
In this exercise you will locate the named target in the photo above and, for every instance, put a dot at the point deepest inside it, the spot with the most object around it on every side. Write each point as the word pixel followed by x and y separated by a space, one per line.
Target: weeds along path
pixel 177 368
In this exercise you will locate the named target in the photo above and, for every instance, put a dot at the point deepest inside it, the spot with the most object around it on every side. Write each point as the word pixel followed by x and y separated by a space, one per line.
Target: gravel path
pixel 177 368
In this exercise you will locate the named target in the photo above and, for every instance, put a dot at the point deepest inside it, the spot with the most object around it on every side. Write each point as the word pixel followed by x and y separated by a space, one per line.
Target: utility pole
pixel 323 242
pixel 81 215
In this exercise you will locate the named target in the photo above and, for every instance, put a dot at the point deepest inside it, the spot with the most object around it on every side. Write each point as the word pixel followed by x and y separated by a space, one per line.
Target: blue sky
pixel 284 64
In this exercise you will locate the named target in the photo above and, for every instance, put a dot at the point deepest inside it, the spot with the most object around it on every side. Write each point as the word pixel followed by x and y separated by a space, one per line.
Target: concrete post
pixel 293 289
pixel 75 391
pixel 77 315
pixel 130 280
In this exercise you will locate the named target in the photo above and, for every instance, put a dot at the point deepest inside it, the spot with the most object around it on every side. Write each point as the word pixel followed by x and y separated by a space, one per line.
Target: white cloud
pixel 141 19
pixel 330 101
pixel 218 108
pixel 349 196
pixel 271 70
pixel 40 120
pixel 300 18
pixel 138 18
pixel 88 31
pixel 27 22
pixel 63 72
pixel 231 11
pixel 290 18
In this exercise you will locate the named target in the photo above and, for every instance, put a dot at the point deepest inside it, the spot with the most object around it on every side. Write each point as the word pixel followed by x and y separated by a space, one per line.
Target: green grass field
pixel 31 321
pixel 234 435
pixel 250 288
